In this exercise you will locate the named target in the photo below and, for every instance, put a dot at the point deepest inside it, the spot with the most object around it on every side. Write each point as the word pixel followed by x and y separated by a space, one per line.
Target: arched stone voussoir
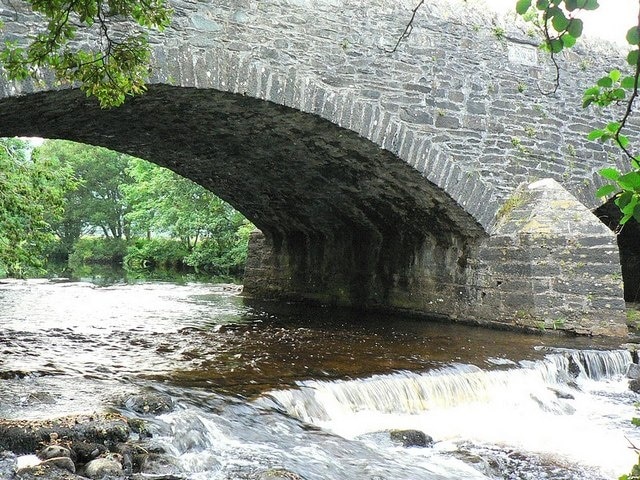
pixel 338 102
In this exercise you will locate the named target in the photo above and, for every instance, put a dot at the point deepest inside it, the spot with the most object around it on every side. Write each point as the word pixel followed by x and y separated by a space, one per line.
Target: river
pixel 315 391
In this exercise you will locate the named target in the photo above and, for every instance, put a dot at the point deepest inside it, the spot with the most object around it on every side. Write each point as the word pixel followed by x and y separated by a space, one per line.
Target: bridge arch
pixel 404 167
pixel 320 193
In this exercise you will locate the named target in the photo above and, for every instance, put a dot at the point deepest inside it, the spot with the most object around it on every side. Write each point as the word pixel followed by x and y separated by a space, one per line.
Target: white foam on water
pixel 537 408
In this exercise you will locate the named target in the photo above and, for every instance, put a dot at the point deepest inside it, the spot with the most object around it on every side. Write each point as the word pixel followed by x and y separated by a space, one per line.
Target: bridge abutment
pixel 360 269
pixel 549 264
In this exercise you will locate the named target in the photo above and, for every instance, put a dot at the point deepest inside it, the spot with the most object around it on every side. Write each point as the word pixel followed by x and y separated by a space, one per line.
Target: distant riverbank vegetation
pixel 63 201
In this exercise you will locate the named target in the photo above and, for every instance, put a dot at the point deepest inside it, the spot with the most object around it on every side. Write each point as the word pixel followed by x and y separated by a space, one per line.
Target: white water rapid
pixel 572 407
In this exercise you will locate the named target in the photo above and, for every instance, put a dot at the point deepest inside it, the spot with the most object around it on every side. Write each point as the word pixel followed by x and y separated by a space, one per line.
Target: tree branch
pixel 630 102
pixel 408 28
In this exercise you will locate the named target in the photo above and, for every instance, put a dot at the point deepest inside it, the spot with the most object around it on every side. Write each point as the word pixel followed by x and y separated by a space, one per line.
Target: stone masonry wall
pixel 458 101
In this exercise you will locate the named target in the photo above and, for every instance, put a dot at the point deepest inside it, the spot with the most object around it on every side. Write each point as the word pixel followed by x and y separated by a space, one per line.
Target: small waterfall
pixel 594 364
pixel 413 393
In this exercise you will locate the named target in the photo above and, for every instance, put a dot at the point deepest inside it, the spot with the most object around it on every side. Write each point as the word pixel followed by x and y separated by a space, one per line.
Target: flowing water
pixel 316 391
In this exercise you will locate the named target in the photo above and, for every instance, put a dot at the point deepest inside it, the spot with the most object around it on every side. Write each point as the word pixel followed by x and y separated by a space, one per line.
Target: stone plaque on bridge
pixel 523 54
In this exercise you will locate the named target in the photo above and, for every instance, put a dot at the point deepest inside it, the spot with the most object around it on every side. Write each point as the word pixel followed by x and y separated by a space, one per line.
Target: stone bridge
pixel 435 180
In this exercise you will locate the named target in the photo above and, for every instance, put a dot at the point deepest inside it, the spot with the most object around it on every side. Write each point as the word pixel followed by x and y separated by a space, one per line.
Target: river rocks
pixel 63 462
pixel 633 374
pixel 30 466
pixel 149 402
pixel 97 446
pixel 26 463
pixel 411 438
pixel 278 474
pixel 574 368
pixel 562 394
pixel 156 464
pixel 59 456
pixel 47 472
pixel 28 436
pixel 104 467
pixel 53 451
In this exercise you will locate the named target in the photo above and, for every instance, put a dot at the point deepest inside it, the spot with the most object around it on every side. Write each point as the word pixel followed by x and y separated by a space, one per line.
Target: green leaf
pixel 559 21
pixel 623 140
pixel 542 4
pixel 571 4
pixel 630 181
pixel 606 190
pixel 613 127
pixel 595 135
pixel 586 101
pixel 590 5
pixel 522 6
pixel 605 82
pixel 630 207
pixel 555 45
pixel 628 82
pixel 568 41
pixel 575 28
pixel 618 94
pixel 633 36
pixel 610 173
pixel 623 199
pixel 614 75
pixel 592 91
pixel 632 57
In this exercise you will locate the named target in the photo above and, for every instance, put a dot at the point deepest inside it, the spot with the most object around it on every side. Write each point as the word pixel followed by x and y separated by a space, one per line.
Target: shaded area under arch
pixel 628 238
pixel 285 170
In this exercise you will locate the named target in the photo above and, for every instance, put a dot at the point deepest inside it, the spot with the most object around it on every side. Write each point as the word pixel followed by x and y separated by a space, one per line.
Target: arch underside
pixel 339 213
pixel 285 170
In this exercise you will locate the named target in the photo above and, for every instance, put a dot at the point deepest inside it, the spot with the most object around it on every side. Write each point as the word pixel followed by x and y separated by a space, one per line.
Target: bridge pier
pixel 549 264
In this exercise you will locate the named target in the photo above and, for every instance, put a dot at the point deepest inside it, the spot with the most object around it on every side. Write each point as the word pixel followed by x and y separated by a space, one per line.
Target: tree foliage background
pixel 97 205
pixel 32 197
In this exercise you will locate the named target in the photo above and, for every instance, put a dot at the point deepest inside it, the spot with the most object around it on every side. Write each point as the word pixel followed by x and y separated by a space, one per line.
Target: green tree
pixel 162 201
pixel 97 204
pixel 32 193
pixel 112 64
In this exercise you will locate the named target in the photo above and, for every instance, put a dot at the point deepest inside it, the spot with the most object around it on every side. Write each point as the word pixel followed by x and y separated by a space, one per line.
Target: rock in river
pixel 411 438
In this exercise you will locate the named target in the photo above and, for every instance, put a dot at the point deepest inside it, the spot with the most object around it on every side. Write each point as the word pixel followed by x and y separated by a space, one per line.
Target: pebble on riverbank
pixel 65 444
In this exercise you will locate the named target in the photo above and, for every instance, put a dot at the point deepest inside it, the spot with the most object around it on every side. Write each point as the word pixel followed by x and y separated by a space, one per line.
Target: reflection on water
pixel 111 274
pixel 249 373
